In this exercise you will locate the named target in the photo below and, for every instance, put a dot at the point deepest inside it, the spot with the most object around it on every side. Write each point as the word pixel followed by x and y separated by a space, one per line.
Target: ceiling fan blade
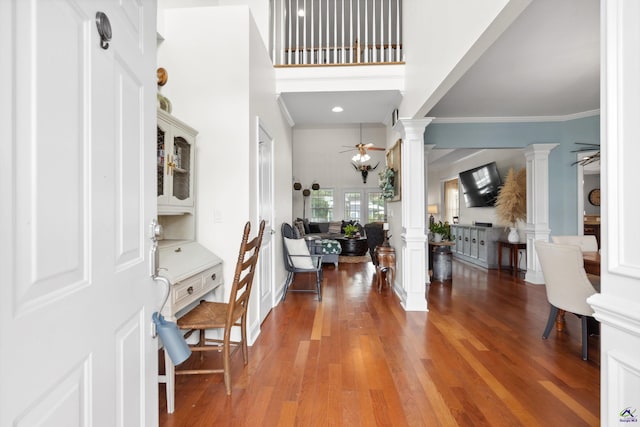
pixel 376 149
pixel 346 151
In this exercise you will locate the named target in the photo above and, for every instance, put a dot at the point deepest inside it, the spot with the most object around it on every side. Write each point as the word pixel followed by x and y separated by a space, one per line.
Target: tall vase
pixel 513 236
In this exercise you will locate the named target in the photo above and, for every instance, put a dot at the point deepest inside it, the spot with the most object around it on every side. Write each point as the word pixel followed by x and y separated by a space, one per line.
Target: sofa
pixel 320 237
pixel 324 230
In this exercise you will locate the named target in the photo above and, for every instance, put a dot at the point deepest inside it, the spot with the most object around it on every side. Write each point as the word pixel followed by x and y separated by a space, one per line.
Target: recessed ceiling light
pixel 300 13
pixel 337 109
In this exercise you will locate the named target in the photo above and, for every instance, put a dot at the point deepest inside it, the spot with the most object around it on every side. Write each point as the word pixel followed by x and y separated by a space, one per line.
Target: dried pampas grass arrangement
pixel 511 204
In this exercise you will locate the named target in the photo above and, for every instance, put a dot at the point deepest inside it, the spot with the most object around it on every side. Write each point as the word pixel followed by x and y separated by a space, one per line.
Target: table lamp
pixel 385 231
pixel 432 210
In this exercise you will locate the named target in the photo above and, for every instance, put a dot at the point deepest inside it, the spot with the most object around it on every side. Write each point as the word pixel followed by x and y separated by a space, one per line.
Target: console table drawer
pixel 185 291
pixel 212 278
pixel 192 288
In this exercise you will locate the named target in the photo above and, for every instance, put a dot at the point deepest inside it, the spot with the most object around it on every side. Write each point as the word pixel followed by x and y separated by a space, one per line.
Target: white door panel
pixel 265 209
pixel 78 193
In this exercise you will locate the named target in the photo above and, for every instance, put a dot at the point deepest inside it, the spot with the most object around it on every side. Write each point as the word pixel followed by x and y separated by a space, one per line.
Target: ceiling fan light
pixel 337 109
pixel 361 158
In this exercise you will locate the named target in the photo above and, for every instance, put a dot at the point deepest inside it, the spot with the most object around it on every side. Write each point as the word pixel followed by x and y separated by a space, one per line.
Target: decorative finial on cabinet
pixel 163 101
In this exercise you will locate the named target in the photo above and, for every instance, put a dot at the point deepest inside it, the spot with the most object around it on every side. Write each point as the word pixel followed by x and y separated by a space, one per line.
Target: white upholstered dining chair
pixel 587 243
pixel 567 284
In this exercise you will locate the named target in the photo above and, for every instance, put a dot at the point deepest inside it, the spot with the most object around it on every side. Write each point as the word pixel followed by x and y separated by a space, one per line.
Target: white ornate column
pixel 537 228
pixel 413 253
pixel 617 306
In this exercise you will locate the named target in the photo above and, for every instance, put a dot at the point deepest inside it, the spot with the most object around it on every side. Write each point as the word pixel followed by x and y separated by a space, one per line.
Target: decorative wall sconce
pixel 364 170
pixel 432 210
pixel 305 193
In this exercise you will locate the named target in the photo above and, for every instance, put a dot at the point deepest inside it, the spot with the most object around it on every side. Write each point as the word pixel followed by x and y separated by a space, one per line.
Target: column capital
pixel 532 149
pixel 411 129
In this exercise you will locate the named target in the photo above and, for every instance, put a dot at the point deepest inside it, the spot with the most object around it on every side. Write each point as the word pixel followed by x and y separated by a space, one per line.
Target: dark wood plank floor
pixel 358 359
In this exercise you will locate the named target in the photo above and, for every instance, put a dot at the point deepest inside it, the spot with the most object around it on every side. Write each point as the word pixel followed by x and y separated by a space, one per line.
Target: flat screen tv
pixel 480 185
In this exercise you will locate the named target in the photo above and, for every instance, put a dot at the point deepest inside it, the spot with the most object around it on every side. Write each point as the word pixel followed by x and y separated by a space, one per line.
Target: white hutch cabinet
pixel 192 270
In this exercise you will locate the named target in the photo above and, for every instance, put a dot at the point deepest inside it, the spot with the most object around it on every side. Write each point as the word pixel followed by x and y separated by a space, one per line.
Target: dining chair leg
pixel 227 363
pixel 585 338
pixel 318 281
pixel 553 312
pixel 201 342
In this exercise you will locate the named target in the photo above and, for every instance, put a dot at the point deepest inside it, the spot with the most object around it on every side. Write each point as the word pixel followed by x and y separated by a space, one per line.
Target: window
pixel 357 209
pixel 352 206
pixel 451 201
pixel 321 205
pixel 375 208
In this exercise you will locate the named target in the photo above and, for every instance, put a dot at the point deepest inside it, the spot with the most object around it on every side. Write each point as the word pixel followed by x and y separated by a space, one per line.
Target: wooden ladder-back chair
pixel 217 315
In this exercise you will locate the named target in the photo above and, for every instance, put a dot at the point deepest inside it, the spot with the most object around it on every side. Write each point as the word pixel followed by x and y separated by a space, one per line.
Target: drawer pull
pixel 466 239
pixel 178 250
pixel 482 242
pixel 473 240
pixel 190 290
pixel 213 276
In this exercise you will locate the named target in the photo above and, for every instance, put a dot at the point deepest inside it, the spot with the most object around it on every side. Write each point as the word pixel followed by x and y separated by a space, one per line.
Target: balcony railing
pixel 336 32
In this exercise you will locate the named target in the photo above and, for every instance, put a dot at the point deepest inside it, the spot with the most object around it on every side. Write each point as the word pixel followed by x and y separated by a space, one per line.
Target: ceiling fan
pixel 589 158
pixel 362 155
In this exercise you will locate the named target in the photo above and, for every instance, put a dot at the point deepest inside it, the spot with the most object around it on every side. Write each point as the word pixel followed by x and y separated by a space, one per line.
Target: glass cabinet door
pixel 181 168
pixel 175 161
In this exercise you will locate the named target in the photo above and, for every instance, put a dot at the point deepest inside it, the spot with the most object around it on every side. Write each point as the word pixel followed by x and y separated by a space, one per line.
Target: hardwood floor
pixel 358 359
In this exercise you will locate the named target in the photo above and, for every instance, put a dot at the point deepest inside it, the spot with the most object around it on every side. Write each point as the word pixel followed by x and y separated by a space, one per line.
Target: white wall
pixel 318 157
pixel 440 172
pixel 259 10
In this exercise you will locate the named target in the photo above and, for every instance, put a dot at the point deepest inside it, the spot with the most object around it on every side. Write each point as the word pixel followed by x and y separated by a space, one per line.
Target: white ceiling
pixel 547 63
pixel 314 108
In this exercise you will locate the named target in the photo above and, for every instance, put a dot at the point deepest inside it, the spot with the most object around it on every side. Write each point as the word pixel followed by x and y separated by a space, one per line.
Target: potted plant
pixel 385 182
pixel 440 231
pixel 511 204
pixel 350 231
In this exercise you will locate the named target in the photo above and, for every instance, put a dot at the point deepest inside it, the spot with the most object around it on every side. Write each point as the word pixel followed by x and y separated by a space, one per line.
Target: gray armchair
pixel 375 237
pixel 298 259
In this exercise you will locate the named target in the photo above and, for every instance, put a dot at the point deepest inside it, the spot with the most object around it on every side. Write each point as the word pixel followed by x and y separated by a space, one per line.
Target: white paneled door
pixel 265 212
pixel 77 189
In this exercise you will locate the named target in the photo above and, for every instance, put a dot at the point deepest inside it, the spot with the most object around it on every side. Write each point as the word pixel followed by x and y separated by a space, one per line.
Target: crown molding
pixel 517 119
pixel 285 111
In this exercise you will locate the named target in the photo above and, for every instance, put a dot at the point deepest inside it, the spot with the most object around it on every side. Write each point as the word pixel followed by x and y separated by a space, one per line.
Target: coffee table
pixel 356 246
